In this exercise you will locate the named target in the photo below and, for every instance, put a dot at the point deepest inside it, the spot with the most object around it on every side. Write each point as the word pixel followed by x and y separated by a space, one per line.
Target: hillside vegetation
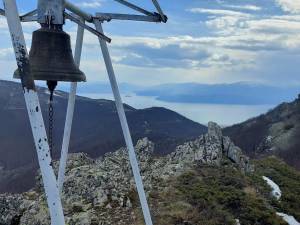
pixel 274 133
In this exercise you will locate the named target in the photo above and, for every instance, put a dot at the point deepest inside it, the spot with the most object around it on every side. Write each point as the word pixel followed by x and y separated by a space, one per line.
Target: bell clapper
pixel 51 86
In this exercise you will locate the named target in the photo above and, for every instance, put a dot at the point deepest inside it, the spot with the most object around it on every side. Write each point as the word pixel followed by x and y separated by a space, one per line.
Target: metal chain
pixel 50 125
pixel 51 86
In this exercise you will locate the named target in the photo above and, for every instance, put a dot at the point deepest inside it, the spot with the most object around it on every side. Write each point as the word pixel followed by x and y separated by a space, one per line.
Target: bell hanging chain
pixel 51 86
pixel 50 125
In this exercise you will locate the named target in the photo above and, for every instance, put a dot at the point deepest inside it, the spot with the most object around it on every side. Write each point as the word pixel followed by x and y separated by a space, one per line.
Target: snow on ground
pixel 289 219
pixel 276 192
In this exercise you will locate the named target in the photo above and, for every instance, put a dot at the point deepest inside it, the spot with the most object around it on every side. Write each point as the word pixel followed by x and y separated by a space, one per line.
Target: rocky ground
pixel 102 191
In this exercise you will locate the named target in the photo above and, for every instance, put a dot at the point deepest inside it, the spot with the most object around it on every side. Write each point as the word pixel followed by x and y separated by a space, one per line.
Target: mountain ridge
pixel 204 181
pixel 89 131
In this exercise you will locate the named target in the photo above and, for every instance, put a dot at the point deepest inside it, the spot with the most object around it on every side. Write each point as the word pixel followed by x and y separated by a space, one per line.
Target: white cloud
pixel 292 6
pixel 90 4
pixel 219 12
pixel 6 53
pixel 245 7
pixel 3 23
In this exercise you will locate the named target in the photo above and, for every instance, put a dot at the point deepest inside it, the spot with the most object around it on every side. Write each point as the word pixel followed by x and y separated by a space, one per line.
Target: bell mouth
pixel 51 58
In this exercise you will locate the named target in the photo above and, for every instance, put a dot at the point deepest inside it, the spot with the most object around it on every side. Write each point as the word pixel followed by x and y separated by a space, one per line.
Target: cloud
pixel 219 12
pixel 3 23
pixel 245 7
pixel 90 4
pixel 170 55
pixel 292 6
pixel 6 54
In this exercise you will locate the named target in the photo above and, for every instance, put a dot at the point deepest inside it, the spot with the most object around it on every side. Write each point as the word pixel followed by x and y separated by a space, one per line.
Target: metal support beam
pixel 97 33
pixel 164 18
pixel 70 112
pixel 126 132
pixel 34 113
pixel 31 13
pixel 29 18
pixel 116 16
pixel 74 9
pixel 134 7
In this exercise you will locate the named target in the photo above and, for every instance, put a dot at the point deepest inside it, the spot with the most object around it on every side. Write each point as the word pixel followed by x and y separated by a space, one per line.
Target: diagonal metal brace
pixel 28 17
pixel 164 18
pixel 125 128
pixel 92 30
pixel 76 10
pixel 31 13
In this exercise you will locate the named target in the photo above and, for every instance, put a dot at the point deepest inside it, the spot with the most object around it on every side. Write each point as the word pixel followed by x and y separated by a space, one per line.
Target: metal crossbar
pixel 115 16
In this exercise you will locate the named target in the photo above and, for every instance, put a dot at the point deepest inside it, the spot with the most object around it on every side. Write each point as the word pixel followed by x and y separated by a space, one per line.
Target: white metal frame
pixel 34 113
pixel 70 112
pixel 53 11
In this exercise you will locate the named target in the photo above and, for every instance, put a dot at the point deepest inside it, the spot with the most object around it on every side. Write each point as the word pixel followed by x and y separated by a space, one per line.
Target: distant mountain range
pixel 242 93
pixel 236 93
pixel 274 133
pixel 96 130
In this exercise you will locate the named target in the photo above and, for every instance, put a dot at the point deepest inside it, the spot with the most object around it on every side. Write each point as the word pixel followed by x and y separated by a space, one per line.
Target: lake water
pixel 202 113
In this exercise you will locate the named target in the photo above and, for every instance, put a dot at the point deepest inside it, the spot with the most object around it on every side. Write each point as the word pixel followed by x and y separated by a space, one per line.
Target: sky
pixel 204 41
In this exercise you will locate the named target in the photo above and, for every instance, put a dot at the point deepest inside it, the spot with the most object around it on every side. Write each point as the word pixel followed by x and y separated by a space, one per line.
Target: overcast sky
pixel 205 41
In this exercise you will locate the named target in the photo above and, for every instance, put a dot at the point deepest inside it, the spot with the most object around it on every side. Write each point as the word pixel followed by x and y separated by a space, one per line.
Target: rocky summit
pixel 102 191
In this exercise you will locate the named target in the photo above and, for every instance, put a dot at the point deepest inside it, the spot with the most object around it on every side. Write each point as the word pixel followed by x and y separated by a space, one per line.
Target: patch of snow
pixel 237 222
pixel 276 192
pixel 269 138
pixel 289 219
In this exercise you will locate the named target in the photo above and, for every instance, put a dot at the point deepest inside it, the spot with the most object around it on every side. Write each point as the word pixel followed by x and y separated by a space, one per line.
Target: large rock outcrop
pixel 102 191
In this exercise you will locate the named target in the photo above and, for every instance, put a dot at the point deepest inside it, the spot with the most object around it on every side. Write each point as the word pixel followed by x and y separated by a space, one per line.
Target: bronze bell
pixel 50 57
